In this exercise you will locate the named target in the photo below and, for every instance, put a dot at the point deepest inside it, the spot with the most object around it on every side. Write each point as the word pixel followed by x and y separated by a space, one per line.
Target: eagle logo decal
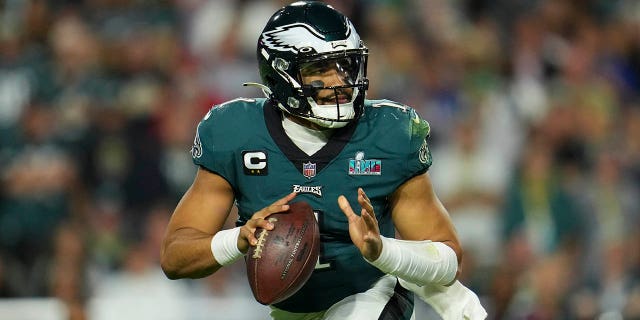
pixel 295 36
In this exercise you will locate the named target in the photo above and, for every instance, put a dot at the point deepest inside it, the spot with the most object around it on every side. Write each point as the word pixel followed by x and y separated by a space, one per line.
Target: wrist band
pixel 224 246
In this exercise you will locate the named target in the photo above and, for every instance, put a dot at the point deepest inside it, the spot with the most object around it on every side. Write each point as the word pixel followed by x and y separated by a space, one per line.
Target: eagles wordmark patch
pixel 314 190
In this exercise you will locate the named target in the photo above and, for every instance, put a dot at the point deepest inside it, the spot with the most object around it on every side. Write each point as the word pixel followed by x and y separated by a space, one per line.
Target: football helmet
pixel 314 64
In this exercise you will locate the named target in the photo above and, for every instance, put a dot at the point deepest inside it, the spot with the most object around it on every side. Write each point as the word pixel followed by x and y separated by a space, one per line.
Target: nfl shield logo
pixel 309 170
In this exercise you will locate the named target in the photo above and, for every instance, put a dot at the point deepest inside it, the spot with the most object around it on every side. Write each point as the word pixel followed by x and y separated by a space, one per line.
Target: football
pixel 284 258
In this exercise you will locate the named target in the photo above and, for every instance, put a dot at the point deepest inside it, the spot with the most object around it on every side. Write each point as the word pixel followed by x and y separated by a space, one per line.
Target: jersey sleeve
pixel 210 149
pixel 401 134
pixel 419 156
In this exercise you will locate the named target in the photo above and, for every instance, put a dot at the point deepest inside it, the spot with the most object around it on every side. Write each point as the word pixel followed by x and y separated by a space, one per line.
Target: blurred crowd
pixel 534 107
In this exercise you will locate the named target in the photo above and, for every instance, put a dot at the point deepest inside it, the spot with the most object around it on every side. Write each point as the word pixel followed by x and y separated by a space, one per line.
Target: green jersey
pixel 244 142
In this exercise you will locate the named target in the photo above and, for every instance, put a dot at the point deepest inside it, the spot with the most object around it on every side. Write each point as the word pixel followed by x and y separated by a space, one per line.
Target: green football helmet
pixel 307 38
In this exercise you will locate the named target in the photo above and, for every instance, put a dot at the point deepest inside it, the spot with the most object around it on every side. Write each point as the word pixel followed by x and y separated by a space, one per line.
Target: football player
pixel 315 137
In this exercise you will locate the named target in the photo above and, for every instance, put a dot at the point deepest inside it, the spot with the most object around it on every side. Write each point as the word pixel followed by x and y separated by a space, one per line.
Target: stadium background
pixel 534 108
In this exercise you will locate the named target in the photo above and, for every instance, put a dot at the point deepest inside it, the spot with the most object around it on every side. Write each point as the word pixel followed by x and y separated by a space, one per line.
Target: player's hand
pixel 363 228
pixel 247 232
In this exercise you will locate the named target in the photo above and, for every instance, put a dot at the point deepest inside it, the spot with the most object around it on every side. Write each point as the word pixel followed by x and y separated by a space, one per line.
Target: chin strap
pixel 265 90
pixel 269 95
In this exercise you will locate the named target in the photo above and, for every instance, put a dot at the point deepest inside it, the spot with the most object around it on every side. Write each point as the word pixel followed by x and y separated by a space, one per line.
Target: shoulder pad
pixel 231 104
pixel 391 104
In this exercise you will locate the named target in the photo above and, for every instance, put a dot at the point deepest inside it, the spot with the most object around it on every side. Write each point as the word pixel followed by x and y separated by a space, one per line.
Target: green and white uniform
pixel 244 142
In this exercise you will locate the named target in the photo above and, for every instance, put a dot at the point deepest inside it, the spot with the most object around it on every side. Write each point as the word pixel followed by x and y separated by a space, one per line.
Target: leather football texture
pixel 284 258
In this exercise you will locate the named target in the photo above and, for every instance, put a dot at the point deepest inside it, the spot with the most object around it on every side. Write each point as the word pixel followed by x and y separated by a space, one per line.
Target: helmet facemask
pixel 331 84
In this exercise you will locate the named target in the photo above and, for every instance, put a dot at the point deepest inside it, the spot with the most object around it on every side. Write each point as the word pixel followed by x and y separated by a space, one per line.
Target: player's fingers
pixel 249 234
pixel 259 223
pixel 364 200
pixel 279 206
pixel 373 217
pixel 249 229
pixel 370 220
pixel 364 194
pixel 285 199
pixel 274 208
pixel 264 224
pixel 345 207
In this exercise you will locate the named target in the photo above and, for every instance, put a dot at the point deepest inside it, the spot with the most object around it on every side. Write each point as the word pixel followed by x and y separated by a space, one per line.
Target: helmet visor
pixel 331 80
pixel 343 70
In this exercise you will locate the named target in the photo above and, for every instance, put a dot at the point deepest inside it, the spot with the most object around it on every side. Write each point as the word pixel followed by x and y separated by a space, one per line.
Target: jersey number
pixel 322 262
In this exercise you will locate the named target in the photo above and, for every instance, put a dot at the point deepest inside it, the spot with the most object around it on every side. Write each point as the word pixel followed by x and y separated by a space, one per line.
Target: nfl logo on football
pixel 309 170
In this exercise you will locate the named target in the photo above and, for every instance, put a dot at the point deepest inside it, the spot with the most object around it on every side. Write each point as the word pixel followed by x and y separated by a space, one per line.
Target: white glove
pixel 455 302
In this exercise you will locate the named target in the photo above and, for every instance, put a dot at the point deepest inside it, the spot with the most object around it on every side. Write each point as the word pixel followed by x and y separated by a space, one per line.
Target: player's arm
pixel 430 253
pixel 420 217
pixel 195 245
pixel 418 214
pixel 202 211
